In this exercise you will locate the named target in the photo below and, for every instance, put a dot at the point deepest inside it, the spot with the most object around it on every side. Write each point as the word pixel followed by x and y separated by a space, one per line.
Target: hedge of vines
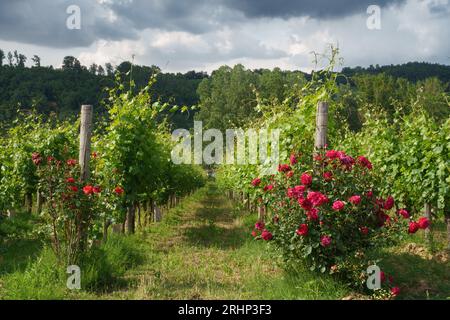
pixel 131 171
pixel 410 155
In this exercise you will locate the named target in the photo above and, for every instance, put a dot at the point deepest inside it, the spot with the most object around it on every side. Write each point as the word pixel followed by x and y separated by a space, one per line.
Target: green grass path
pixel 203 250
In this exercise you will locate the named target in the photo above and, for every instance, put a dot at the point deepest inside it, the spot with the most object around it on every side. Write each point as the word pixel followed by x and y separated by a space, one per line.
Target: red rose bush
pixel 327 211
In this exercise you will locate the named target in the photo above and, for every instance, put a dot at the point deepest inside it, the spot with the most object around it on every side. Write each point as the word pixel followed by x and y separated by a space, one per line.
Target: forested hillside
pixel 412 71
pixel 227 97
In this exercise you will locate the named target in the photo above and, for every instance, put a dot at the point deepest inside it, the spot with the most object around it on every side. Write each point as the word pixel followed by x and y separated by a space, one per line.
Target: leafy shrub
pixel 327 212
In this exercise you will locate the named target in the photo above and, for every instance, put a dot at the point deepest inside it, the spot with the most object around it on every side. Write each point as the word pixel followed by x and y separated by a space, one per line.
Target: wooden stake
pixel 131 211
pixel 427 215
pixel 261 213
pixel 85 140
pixel 83 159
pixel 447 220
pixel 321 125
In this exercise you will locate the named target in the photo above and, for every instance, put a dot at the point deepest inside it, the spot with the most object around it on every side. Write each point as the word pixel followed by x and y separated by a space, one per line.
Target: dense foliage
pixel 130 166
pixel 63 90
pixel 402 127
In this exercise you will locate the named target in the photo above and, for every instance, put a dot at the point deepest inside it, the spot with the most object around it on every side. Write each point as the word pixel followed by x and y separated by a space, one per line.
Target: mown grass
pixel 422 270
pixel 203 250
pixel 42 276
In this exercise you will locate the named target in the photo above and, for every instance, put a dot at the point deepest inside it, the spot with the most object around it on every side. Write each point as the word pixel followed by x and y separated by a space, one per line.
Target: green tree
pixel 2 57
pixel 227 98
pixel 36 60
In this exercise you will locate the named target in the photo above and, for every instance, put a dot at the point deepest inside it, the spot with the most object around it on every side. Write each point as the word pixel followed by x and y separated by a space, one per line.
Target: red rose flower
pixel 302 230
pixel 355 199
pixel 364 230
pixel 284 168
pixel 338 205
pixel 256 182
pixel 389 203
pixel 254 233
pixel 296 192
pixel 423 223
pixel 292 159
pixel 395 291
pixel 317 158
pixel 290 174
pixel 266 235
pixel 332 154
pixel 413 227
pixel 88 190
pixel 317 198
pixel 364 162
pixel 36 158
pixel 118 191
pixel 383 218
pixel 268 188
pixel 369 194
pixel 97 189
pixel 312 214
pixel 71 162
pixel 260 225
pixel 328 176
pixel 325 241
pixel 346 160
pixel 73 188
pixel 306 179
pixel 300 189
pixel 404 213
pixel 70 180
pixel 305 203
pixel 382 277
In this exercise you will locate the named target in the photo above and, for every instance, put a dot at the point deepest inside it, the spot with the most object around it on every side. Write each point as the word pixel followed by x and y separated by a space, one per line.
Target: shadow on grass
pixel 213 224
pixel 15 255
pixel 418 278
pixel 214 236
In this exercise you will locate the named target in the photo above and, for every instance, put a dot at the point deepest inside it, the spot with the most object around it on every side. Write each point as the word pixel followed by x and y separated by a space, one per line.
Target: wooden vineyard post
pixel 131 213
pixel 447 220
pixel 320 140
pixel 428 236
pixel 39 201
pixel 261 213
pixel 85 140
pixel 321 125
pixel 158 214
pixel 84 156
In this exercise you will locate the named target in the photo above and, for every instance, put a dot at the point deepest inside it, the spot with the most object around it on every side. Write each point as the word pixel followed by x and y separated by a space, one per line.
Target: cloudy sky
pixel 182 35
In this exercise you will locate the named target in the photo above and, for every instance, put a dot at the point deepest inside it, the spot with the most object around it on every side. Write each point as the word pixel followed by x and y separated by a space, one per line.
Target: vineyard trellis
pixel 118 174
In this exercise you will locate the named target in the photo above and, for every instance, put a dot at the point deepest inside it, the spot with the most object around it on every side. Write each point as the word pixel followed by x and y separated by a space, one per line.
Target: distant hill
pixel 64 89
pixel 413 71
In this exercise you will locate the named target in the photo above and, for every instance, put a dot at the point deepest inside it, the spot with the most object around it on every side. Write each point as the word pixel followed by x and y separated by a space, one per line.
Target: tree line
pixel 228 97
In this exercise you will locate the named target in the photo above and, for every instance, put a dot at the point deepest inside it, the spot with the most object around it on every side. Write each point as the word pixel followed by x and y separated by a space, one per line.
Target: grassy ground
pixel 203 250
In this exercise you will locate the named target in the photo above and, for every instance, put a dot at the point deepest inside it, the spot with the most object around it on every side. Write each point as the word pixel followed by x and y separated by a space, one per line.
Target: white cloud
pixel 416 30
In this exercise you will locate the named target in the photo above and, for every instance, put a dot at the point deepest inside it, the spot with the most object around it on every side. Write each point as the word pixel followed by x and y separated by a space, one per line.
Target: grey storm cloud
pixel 43 22
pixel 312 8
